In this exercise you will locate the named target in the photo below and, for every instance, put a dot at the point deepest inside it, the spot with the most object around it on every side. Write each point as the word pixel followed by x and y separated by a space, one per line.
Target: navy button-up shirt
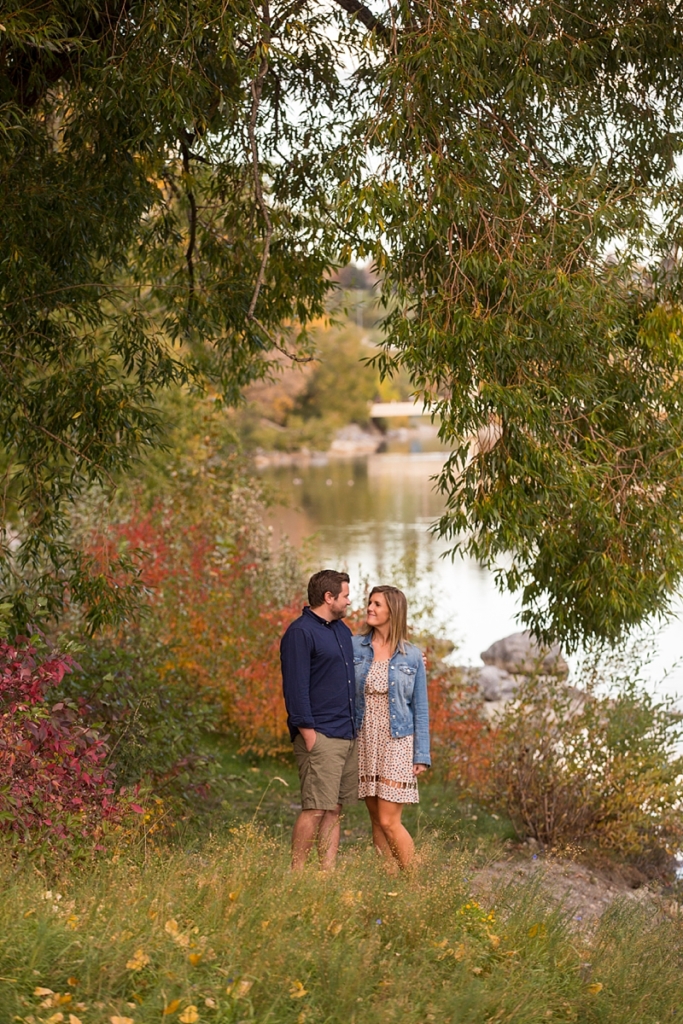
pixel 318 677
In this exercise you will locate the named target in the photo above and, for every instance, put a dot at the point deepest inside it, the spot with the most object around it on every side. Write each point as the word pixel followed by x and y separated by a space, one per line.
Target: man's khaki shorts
pixel 328 773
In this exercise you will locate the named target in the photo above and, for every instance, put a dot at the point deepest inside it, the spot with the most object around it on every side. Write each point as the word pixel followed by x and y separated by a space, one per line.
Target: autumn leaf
pixel 73 1019
pixel 56 1018
pixel 72 981
pixel 334 927
pixel 297 991
pixel 121 1020
pixel 171 928
pixel 595 988
pixel 195 958
pixel 137 961
pixel 239 989
pixel 40 991
pixel 233 895
pixel 190 1015
pixel 171 1008
pixel 210 1002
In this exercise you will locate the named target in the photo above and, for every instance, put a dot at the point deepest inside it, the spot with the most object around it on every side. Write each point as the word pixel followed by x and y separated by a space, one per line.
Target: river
pixel 372 515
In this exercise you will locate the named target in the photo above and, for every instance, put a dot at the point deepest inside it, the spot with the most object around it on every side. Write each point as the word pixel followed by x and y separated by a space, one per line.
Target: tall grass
pixel 228 934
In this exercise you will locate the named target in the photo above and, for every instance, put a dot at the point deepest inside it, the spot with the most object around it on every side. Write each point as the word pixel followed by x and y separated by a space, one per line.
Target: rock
pixel 519 653
pixel 353 440
pixel 495 683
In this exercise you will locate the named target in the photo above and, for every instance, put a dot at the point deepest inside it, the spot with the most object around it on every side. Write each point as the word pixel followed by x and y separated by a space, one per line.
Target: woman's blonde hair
pixel 398 616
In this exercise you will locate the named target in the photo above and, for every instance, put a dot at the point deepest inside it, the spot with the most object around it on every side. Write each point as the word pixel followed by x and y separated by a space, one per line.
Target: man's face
pixel 338 606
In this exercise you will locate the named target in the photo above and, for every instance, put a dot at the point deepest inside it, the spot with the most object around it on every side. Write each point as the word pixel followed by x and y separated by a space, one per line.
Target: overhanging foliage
pixel 178 178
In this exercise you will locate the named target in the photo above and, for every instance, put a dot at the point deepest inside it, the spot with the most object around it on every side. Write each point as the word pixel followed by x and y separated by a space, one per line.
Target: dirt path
pixel 585 892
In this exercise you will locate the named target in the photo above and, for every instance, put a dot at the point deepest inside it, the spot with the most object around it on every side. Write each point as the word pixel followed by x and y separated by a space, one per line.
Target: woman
pixel 392 720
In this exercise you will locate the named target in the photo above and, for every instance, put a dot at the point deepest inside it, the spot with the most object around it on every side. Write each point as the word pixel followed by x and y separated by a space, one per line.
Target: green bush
pixel 152 713
pixel 594 766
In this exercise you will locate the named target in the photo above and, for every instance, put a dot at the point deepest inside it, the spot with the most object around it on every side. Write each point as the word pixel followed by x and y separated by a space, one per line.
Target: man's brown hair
pixel 327 581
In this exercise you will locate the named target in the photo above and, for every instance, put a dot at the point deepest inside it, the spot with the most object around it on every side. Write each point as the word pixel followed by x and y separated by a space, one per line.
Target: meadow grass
pixel 226 933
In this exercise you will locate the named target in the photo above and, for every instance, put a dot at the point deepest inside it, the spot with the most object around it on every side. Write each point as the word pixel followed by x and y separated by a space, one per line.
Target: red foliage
pixel 259 708
pixel 52 777
pixel 462 739
pixel 218 605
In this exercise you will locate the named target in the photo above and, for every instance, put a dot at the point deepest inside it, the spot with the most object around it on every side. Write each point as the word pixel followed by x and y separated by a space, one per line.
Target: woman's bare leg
pixel 378 838
pixel 396 835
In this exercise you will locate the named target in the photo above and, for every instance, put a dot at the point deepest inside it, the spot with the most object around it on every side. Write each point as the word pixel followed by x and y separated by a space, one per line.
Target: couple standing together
pixel 358 717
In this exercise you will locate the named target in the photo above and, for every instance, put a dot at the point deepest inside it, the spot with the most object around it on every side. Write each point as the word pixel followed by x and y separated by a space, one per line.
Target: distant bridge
pixel 390 410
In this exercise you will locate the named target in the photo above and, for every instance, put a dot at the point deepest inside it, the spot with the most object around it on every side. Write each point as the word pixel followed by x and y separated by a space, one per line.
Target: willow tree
pixel 179 177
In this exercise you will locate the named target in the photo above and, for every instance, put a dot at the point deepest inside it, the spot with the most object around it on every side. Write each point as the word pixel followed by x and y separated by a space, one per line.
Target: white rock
pixel 519 653
pixel 496 683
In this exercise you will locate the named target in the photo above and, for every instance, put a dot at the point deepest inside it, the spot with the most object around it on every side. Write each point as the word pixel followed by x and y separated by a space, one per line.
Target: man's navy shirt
pixel 318 677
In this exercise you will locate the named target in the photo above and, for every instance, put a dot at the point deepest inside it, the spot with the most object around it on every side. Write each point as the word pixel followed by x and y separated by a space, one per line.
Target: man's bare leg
pixel 304 836
pixel 328 838
pixel 312 826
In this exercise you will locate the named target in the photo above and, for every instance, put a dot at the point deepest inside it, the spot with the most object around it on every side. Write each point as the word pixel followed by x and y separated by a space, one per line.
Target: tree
pixel 178 179
pixel 137 146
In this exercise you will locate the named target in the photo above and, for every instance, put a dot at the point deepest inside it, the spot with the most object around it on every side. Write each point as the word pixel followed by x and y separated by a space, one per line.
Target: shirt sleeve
pixel 295 659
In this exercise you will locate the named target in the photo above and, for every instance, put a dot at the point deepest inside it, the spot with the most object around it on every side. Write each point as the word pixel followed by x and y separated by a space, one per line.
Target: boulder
pixel 520 654
pixel 496 683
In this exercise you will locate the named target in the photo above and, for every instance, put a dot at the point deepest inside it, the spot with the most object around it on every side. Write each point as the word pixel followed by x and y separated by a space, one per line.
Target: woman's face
pixel 378 611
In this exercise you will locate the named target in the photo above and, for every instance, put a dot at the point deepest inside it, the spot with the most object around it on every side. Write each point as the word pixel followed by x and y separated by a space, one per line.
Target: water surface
pixel 372 517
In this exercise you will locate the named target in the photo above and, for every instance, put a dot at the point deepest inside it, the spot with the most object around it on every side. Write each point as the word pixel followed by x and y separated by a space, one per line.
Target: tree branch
pixel 256 90
pixel 189 254
pixel 367 18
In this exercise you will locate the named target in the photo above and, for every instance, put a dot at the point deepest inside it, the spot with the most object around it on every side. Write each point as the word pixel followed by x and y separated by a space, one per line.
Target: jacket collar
pixel 366 640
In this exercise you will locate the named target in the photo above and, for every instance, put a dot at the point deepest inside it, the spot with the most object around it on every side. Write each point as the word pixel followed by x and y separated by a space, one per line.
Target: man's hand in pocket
pixel 309 738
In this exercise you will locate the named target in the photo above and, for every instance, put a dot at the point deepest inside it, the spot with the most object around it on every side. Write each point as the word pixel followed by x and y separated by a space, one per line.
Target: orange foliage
pixel 462 740
pixel 220 604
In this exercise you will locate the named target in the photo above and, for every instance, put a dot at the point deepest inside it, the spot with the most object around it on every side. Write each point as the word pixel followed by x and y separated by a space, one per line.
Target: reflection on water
pixel 371 514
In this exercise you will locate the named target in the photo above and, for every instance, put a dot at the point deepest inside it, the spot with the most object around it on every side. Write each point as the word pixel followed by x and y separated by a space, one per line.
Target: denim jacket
pixel 408 711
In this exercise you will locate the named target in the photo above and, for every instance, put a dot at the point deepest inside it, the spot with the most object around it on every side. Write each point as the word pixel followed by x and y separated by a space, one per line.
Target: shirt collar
pixel 318 618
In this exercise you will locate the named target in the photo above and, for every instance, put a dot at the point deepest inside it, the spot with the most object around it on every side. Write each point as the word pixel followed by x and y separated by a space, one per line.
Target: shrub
pixel 54 785
pixel 205 653
pixel 461 737
pixel 589 767
pixel 154 717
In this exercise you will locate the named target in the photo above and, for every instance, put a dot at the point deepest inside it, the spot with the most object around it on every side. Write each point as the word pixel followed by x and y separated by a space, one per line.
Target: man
pixel 320 695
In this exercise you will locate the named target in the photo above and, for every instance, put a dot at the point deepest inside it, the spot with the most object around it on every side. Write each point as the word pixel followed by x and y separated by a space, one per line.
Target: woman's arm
pixel 421 753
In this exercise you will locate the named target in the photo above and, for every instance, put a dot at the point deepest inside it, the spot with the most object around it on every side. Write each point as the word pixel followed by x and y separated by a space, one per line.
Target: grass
pixel 228 934
pixel 210 927
pixel 266 791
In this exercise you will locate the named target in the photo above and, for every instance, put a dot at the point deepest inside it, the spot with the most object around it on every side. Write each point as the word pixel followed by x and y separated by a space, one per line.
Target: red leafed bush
pixel 54 786
pixel 462 740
